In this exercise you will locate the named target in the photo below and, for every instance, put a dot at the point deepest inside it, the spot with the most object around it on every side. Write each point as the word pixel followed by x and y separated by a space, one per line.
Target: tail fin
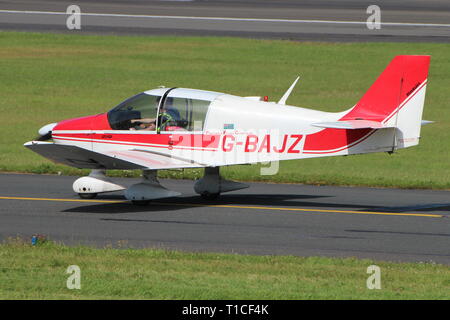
pixel 396 98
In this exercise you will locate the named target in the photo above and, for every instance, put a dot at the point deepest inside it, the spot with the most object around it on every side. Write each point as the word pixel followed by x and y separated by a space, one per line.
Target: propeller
pixel 45 133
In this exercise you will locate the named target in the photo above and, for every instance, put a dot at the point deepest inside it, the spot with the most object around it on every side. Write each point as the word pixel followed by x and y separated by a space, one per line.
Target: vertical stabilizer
pixel 397 98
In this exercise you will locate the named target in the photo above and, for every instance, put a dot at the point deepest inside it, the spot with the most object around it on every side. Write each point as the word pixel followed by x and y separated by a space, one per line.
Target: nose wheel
pixel 140 202
pixel 87 195
pixel 97 182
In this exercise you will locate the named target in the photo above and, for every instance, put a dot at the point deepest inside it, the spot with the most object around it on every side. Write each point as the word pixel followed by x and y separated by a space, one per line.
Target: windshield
pixel 136 113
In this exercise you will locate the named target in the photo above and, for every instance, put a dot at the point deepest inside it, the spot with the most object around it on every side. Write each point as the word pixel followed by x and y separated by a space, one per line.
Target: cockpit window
pixel 136 113
pixel 182 114
pixel 140 112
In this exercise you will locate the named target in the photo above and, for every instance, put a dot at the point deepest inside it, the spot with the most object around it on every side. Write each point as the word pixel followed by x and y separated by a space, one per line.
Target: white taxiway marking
pixel 392 24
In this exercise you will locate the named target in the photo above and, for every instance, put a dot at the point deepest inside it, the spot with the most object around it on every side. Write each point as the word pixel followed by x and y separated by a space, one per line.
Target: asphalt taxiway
pixel 318 20
pixel 265 219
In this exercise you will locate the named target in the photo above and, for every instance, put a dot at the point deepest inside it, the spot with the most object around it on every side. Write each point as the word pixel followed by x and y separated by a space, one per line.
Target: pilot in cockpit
pixel 168 119
pixel 144 124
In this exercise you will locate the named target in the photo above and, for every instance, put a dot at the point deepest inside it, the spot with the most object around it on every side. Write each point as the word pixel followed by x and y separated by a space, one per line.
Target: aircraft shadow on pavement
pixel 179 203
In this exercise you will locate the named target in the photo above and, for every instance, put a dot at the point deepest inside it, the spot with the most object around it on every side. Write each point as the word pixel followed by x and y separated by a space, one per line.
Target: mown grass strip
pixel 39 272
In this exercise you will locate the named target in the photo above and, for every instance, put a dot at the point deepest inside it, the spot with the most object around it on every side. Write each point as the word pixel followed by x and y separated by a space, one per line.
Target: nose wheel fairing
pixel 140 193
pixel 97 182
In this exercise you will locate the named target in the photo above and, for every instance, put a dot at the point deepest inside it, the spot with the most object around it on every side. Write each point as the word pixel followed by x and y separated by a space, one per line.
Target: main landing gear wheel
pixel 140 202
pixel 87 195
pixel 209 196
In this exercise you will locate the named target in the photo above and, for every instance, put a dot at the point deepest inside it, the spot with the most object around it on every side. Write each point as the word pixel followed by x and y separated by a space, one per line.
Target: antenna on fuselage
pixel 288 92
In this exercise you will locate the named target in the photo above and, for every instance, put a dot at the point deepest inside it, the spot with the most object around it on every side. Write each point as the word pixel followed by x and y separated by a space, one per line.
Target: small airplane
pixel 173 128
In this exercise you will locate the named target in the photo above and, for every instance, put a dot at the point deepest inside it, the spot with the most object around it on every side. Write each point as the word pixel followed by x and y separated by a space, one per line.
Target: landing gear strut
pixel 212 184
pixel 149 189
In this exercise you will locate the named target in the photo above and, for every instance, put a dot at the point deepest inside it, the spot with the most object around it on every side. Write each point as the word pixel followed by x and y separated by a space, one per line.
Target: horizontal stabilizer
pixel 424 122
pixel 352 124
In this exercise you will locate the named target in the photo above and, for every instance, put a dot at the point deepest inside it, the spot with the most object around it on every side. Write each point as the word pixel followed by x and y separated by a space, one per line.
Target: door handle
pixel 173 141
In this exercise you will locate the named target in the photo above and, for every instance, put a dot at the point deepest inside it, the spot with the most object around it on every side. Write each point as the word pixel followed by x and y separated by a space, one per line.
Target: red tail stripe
pixel 404 76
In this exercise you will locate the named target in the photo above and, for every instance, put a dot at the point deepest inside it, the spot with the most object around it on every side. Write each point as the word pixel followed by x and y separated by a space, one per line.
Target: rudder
pixel 397 98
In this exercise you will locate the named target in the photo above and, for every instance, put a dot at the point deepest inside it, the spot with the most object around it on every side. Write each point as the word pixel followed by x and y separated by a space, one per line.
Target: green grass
pixel 50 77
pixel 39 272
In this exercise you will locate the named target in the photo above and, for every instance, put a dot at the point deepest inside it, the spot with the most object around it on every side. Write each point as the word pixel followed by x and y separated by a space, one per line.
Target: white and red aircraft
pixel 169 128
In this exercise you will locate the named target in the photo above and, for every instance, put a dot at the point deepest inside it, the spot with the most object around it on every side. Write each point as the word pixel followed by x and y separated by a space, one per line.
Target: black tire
pixel 140 202
pixel 87 195
pixel 209 196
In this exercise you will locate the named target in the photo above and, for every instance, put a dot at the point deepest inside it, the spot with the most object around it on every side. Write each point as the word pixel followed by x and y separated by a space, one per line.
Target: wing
pixel 121 159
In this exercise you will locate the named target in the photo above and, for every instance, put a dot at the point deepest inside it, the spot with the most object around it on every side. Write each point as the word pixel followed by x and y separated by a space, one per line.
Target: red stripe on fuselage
pixel 333 139
pixel 184 144
pixel 162 140
pixel 172 139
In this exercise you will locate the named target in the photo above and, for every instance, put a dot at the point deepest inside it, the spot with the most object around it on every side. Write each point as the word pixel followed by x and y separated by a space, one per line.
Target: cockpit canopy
pixel 179 110
pixel 136 107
